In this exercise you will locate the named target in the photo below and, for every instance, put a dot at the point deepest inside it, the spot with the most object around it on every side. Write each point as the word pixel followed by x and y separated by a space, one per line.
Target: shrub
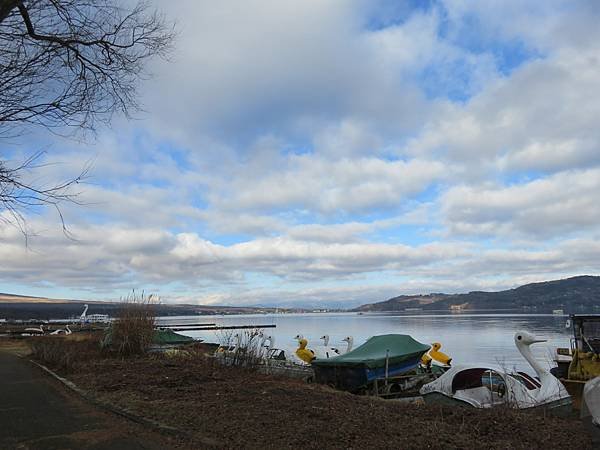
pixel 132 332
pixel 63 353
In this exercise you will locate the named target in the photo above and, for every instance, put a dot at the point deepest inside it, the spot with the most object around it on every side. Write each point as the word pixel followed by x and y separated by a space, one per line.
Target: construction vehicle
pixel 581 361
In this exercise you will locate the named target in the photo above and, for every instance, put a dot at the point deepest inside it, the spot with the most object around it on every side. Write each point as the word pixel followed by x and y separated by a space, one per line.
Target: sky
pixel 334 153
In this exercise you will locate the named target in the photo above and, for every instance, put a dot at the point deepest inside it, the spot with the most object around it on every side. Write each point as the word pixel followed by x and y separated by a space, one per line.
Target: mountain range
pixel 576 294
pixel 580 293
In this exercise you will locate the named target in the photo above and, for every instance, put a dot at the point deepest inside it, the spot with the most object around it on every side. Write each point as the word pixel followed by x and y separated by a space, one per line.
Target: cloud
pixel 337 151
pixel 115 255
pixel 550 207
pixel 328 186
pixel 540 118
pixel 313 71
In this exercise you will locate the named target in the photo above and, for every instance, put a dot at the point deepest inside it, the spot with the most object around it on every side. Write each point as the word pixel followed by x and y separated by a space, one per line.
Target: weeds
pixel 64 353
pixel 242 349
pixel 132 332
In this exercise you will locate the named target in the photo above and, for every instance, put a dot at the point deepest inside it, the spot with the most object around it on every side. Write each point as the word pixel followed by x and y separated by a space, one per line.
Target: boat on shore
pixel 381 358
pixel 591 401
pixel 487 386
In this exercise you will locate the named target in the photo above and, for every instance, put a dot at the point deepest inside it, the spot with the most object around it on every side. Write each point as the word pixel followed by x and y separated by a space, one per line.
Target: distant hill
pixel 24 307
pixel 13 298
pixel 581 293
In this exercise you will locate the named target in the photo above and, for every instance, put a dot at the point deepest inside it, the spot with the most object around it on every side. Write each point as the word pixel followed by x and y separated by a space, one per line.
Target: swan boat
pixel 486 386
pixel 591 401
pixel 262 354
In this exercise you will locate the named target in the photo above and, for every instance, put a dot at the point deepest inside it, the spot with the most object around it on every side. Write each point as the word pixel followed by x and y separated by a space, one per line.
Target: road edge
pixel 158 426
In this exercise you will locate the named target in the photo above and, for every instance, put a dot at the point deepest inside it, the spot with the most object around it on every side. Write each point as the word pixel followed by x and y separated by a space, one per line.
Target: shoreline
pixel 189 391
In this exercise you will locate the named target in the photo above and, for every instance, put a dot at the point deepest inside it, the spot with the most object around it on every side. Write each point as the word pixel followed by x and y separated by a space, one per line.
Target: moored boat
pixel 590 409
pixel 486 386
pixel 379 358
pixel 591 401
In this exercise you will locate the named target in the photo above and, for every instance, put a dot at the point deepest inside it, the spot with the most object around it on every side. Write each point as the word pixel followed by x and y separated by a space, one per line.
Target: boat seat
pixel 480 397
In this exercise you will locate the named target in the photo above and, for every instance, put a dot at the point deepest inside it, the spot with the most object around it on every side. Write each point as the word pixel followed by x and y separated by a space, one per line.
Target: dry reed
pixel 132 332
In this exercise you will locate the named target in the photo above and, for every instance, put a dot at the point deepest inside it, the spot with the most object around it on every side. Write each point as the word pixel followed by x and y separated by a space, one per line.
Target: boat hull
pixel 562 407
pixel 356 378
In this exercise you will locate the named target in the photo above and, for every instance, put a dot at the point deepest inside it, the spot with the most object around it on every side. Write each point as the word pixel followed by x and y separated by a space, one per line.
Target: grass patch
pixel 64 353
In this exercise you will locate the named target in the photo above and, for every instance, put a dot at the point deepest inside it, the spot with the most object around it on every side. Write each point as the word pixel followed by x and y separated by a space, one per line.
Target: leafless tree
pixel 18 195
pixel 67 65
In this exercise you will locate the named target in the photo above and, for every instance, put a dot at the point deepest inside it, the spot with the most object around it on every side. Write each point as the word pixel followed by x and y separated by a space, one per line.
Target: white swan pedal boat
pixel 486 386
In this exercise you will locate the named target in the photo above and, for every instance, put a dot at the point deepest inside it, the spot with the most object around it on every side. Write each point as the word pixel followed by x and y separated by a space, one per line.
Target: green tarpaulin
pixel 372 354
pixel 161 337
pixel 169 337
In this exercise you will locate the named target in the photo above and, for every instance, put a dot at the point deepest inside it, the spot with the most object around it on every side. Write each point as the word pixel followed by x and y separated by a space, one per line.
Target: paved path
pixel 38 412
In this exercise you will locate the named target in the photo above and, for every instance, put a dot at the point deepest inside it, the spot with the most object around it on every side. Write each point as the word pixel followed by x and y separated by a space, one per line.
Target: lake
pixel 486 338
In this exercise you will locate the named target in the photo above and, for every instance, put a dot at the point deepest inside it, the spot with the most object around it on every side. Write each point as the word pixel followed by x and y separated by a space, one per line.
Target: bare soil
pixel 229 407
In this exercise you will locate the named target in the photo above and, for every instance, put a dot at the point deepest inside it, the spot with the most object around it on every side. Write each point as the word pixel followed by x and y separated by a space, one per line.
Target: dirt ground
pixel 230 407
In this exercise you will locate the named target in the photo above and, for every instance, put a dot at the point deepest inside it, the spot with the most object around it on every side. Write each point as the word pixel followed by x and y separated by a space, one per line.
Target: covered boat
pixel 169 337
pixel 380 357
pixel 486 386
pixel 163 339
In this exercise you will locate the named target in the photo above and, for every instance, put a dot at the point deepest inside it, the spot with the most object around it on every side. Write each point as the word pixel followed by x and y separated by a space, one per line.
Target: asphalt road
pixel 38 412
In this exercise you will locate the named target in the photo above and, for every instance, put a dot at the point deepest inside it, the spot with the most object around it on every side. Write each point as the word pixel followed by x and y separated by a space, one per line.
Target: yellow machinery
pixel 580 362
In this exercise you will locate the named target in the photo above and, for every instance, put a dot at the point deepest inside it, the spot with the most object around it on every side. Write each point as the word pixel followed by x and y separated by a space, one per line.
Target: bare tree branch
pixel 18 195
pixel 74 62
pixel 67 65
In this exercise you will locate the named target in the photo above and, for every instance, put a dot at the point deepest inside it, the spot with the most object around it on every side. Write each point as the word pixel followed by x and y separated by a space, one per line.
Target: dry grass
pixel 15 346
pixel 242 348
pixel 239 408
pixel 133 330
pixel 234 406
pixel 65 353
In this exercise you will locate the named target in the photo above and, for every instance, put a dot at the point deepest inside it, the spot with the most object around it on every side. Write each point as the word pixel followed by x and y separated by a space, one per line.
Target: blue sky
pixel 334 152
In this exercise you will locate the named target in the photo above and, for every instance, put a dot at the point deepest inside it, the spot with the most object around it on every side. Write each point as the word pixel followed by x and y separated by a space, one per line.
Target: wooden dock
pixel 228 327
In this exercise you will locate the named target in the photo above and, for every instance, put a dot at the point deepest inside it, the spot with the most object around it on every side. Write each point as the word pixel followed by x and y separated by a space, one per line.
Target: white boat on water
pixel 486 386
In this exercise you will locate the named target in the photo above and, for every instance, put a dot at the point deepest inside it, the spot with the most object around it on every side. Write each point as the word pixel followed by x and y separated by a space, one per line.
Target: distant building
pixel 458 308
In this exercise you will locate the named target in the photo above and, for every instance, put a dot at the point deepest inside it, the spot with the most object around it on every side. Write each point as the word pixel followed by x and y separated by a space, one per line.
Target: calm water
pixel 465 337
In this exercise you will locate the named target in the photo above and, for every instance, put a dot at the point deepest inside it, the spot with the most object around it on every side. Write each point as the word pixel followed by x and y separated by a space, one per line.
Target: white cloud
pixel 328 186
pixel 294 149
pixel 114 254
pixel 540 118
pixel 549 207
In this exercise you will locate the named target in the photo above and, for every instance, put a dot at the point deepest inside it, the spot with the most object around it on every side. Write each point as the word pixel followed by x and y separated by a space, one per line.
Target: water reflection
pixel 484 338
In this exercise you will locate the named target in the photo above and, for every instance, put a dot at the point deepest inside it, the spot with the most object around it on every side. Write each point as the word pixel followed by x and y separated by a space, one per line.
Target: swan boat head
pixel 525 338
